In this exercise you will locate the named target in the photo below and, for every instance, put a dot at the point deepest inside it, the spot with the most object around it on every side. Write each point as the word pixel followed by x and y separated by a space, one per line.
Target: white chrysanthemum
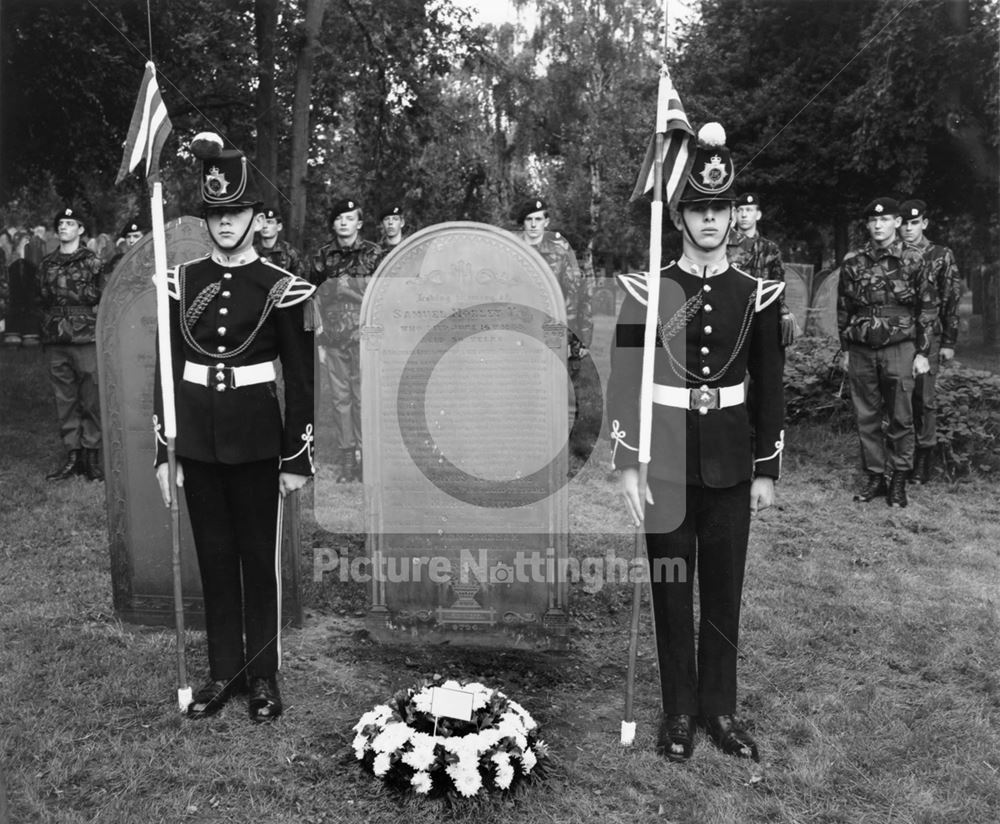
pixel 505 772
pixel 421 757
pixel 712 134
pixel 451 684
pixel 467 782
pixel 526 719
pixel 377 716
pixel 382 764
pixel 421 782
pixel 481 694
pixel 510 726
pixel 528 760
pixel 393 737
pixel 489 738
pixel 422 701
pixel 360 745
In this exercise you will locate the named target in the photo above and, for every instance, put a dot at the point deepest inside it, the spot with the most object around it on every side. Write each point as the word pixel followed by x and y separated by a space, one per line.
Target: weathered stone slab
pixel 464 428
pixel 138 523
pixel 824 306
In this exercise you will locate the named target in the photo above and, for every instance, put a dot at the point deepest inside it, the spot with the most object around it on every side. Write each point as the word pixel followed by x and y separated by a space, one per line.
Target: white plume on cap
pixel 206 145
pixel 712 134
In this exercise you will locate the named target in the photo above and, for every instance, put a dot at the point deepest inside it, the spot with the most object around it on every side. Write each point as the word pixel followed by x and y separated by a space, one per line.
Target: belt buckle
pixel 704 398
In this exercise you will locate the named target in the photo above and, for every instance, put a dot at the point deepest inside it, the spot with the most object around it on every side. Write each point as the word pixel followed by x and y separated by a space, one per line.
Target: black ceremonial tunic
pixel 232 443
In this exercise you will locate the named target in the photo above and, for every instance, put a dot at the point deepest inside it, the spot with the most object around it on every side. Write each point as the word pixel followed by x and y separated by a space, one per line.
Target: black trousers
pixel 689 528
pixel 233 509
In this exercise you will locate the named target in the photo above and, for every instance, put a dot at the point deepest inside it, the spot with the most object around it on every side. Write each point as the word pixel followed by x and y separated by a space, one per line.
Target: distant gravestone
pixel 798 291
pixel 138 522
pixel 464 428
pixel 824 306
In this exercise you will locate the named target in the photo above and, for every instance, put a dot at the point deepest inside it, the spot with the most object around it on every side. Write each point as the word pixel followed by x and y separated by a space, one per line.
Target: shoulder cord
pixel 682 372
pixel 273 296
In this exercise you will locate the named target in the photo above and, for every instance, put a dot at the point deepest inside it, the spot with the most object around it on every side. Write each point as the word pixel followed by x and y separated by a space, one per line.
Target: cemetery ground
pixel 870 668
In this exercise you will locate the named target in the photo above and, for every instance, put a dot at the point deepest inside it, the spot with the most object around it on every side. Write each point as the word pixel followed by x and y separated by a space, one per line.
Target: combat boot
pixel 73 466
pixel 923 463
pixel 897 488
pixel 348 466
pixel 92 465
pixel 874 488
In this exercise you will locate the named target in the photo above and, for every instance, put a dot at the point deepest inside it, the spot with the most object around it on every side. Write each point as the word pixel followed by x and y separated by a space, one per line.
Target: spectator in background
pixel 886 308
pixel 943 273
pixel 132 232
pixel 71 280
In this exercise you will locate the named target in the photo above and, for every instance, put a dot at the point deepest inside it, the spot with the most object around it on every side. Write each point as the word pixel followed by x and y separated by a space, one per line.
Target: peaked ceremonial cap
pixel 226 177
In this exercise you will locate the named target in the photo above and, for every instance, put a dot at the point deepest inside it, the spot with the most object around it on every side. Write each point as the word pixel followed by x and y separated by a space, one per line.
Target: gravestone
pixel 824 305
pixel 138 522
pixel 464 431
pixel 798 292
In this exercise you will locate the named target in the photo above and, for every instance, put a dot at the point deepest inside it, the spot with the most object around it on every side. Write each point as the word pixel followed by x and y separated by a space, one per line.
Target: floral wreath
pixel 407 747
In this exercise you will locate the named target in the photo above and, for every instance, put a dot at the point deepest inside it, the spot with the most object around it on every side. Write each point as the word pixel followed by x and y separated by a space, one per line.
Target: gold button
pixel 223 311
pixel 708 307
pixel 220 376
pixel 227 294
pixel 220 349
pixel 220 365
pixel 704 350
pixel 228 275
pixel 707 288
pixel 708 330
pixel 220 387
pixel 702 411
pixel 705 370
pixel 221 330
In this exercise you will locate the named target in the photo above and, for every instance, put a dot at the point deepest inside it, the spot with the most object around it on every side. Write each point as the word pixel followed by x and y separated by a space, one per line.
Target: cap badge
pixel 879 208
pixel 215 182
pixel 714 174
pixel 538 204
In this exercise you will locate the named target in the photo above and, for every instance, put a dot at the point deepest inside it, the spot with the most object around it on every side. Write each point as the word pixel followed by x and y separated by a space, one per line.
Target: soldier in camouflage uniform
pixel 342 269
pixel 392 221
pixel 132 232
pixel 753 253
pixel 944 275
pixel 275 250
pixel 886 309
pixel 71 280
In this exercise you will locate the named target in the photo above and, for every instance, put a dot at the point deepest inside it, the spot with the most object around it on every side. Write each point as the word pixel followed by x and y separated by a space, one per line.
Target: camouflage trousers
pixel 344 372
pixel 881 382
pixel 73 377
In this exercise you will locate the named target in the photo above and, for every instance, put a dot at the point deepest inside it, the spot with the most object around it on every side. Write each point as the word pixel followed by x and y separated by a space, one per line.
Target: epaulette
pixel 560 241
pixel 767 292
pixel 636 285
pixel 296 290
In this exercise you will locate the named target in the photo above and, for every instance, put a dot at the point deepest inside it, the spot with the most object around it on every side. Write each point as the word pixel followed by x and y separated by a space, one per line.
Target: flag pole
pixel 646 383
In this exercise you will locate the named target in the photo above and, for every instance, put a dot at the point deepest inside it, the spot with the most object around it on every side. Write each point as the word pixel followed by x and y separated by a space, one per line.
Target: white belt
pixel 702 399
pixel 229 376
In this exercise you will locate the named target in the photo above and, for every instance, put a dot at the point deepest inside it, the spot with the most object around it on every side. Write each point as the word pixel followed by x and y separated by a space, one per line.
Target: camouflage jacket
pixel 70 287
pixel 944 275
pixel 577 289
pixel 282 255
pixel 342 276
pixel 4 285
pixel 886 296
pixel 757 256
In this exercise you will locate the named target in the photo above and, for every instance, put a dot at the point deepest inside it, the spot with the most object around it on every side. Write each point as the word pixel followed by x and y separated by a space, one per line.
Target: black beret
pixel 134 225
pixel 535 204
pixel 273 214
pixel 748 199
pixel 345 204
pixel 910 209
pixel 389 211
pixel 881 206
pixel 69 212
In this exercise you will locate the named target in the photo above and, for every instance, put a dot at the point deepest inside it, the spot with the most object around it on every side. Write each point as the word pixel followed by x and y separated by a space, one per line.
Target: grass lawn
pixel 870 669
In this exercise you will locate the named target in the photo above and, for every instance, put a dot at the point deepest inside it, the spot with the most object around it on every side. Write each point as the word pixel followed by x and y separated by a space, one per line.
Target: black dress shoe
pixel 675 740
pixel 730 737
pixel 211 698
pixel 874 488
pixel 72 466
pixel 92 468
pixel 265 699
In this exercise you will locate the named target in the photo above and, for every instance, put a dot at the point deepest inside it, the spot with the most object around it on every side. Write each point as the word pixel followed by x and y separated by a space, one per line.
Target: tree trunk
pixel 300 118
pixel 265 25
pixel 596 194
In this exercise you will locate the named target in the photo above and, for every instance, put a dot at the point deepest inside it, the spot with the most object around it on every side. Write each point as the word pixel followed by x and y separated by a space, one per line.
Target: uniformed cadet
pixel 947 282
pixel 578 290
pixel 71 280
pixel 345 265
pixel 132 232
pixel 716 325
pixel 277 250
pixel 886 308
pixel 232 315
pixel 392 222
pixel 759 257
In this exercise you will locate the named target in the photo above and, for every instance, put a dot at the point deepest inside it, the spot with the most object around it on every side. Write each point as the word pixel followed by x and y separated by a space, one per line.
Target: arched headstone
pixel 464 428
